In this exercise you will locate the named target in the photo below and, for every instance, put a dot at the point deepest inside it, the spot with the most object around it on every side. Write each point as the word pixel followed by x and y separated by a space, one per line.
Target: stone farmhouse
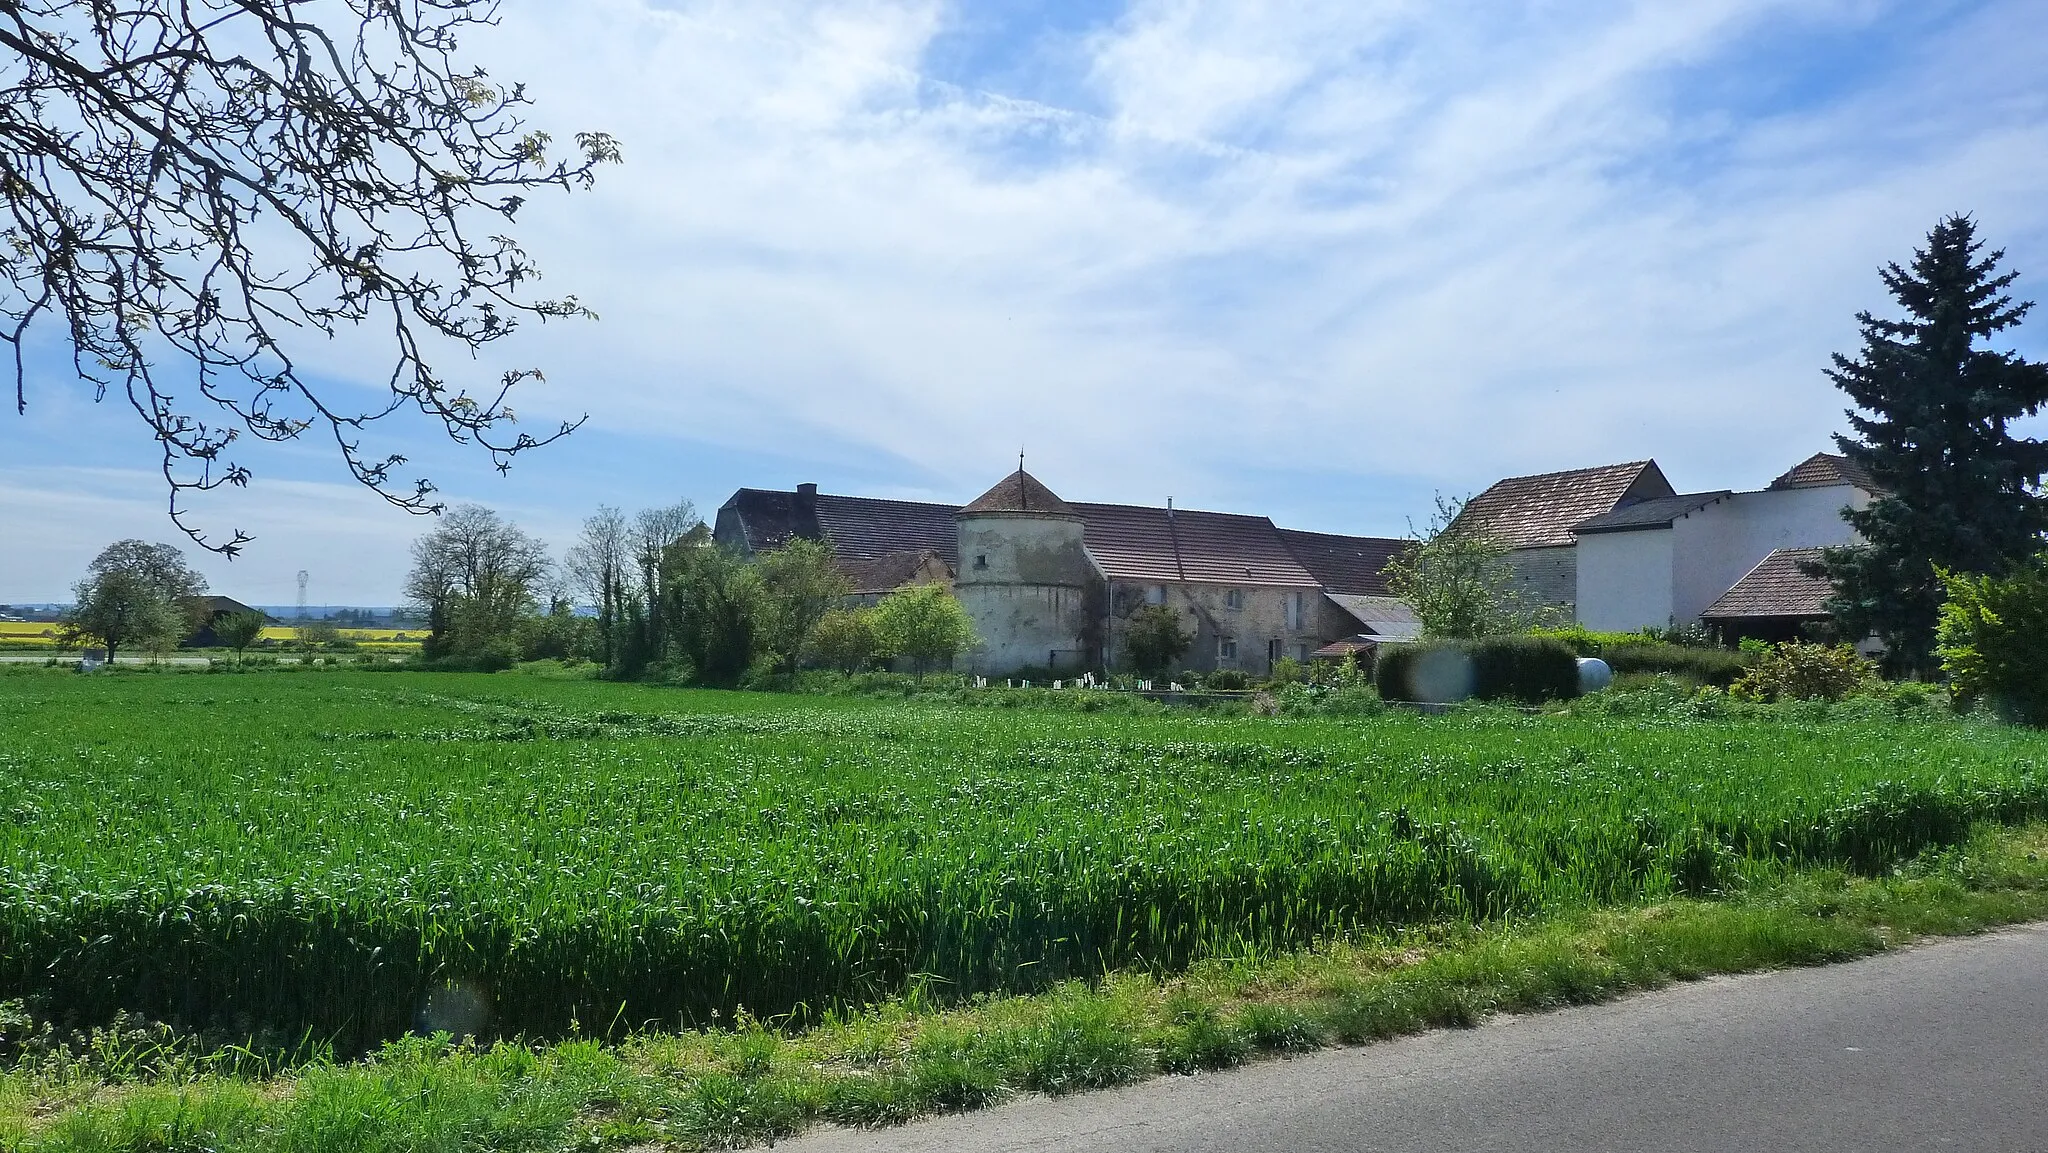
pixel 1619 549
pixel 1051 584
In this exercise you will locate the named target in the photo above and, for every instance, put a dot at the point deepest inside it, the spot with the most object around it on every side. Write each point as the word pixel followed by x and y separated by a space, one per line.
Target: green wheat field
pixel 353 856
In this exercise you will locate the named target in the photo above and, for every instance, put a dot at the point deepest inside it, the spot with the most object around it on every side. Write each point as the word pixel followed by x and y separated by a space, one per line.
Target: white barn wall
pixel 1625 580
pixel 1715 546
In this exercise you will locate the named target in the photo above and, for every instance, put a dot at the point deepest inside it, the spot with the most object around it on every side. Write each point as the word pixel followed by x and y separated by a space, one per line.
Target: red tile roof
pixel 1345 564
pixel 1776 587
pixel 1135 543
pixel 1826 470
pixel 1130 542
pixel 1541 511
pixel 1019 492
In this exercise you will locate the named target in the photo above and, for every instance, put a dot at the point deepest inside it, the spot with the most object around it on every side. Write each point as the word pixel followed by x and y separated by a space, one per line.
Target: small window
pixel 1234 598
pixel 1274 649
pixel 1226 648
pixel 1301 652
pixel 1156 595
pixel 981 560
pixel 1295 607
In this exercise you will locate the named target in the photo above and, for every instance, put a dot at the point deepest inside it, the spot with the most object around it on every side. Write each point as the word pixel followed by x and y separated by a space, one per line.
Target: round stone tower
pixel 1026 578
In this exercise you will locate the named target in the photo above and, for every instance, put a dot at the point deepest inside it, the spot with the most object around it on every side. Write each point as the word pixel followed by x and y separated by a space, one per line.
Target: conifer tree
pixel 1957 489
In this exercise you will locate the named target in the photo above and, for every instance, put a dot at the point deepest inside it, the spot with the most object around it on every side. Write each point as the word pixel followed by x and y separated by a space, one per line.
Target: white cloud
pixel 1363 242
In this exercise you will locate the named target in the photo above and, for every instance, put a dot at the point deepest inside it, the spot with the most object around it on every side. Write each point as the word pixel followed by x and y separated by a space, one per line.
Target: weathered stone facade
pixel 1547 577
pixel 1234 626
pixel 1033 592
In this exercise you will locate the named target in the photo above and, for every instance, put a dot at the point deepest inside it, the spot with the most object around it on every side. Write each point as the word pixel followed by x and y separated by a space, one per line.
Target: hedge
pixel 1718 667
pixel 1528 670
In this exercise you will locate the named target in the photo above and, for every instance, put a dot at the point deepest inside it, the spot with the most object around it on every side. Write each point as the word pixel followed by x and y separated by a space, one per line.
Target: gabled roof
pixel 1541 511
pixel 857 526
pixel 1658 512
pixel 1385 618
pixel 1019 493
pixel 1344 564
pixel 1826 470
pixel 1135 543
pixel 1776 587
pixel 216 605
pixel 892 570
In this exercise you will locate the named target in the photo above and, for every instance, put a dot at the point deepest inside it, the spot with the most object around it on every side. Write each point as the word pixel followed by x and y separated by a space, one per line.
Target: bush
pixel 1717 667
pixel 1802 672
pixel 1993 640
pixel 1525 669
pixel 1227 680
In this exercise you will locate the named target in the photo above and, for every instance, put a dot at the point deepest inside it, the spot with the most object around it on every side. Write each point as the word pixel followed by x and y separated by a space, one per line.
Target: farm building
pixel 1050 583
pixel 1620 549
pixel 208 612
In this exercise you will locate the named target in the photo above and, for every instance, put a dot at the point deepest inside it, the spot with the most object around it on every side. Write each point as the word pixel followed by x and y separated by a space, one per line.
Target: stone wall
pixel 1260 618
pixel 1547 577
pixel 1032 591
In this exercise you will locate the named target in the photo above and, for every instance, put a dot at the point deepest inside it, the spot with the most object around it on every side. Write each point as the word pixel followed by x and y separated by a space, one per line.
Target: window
pixel 1156 595
pixel 1226 648
pixel 1296 606
pixel 981 560
pixel 1301 652
pixel 1273 650
pixel 1234 599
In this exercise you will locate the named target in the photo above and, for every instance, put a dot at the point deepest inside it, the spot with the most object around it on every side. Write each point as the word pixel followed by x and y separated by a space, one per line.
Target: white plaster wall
pixel 1625 580
pixel 1714 546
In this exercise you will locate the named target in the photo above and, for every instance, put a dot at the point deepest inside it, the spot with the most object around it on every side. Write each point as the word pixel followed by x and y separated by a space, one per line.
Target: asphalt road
pixel 1939 1047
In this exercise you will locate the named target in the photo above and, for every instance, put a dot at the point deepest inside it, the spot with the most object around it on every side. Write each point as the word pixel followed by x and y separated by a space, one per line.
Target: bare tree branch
pixel 198 189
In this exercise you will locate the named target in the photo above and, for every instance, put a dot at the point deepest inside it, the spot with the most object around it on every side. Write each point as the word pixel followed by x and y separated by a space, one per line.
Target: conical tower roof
pixel 1018 494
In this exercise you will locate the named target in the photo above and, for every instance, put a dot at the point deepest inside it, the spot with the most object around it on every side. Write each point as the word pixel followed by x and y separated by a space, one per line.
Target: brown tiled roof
pixel 1019 492
pixel 1776 587
pixel 890 571
pixel 1135 543
pixel 1826 470
pixel 1344 564
pixel 857 526
pixel 1540 511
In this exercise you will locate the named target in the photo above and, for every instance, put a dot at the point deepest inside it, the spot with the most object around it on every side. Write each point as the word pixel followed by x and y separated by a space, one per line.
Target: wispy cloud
pixel 1311 259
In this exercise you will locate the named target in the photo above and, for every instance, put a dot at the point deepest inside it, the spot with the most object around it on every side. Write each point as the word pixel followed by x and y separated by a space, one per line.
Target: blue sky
pixel 1317 260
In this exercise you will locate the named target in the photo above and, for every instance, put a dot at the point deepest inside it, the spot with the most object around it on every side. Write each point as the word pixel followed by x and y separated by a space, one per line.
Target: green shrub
pixel 1993 640
pixel 1717 667
pixel 1227 680
pixel 1803 672
pixel 1525 669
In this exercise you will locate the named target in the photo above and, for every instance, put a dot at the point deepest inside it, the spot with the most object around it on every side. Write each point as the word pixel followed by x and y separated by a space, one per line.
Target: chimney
pixel 804 514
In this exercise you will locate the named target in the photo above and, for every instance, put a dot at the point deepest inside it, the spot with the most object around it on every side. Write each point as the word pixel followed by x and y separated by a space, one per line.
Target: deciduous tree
pixel 474 577
pixel 1459 583
pixel 924 625
pixel 136 594
pixel 800 583
pixel 1153 639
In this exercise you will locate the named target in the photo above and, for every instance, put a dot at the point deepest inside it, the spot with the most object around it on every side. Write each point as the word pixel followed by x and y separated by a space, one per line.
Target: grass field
pixel 362 854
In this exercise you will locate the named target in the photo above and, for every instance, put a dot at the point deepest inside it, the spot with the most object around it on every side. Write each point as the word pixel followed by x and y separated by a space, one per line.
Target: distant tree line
pixel 666 601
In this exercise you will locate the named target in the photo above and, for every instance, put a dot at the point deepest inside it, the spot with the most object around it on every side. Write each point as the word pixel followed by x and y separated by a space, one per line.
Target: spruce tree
pixel 1957 490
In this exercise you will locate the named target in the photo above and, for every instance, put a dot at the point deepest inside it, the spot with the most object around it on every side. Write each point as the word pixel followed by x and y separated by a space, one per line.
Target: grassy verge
pixel 750 1084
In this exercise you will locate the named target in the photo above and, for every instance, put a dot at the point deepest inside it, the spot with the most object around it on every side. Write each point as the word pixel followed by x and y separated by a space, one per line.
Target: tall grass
pixel 359 856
